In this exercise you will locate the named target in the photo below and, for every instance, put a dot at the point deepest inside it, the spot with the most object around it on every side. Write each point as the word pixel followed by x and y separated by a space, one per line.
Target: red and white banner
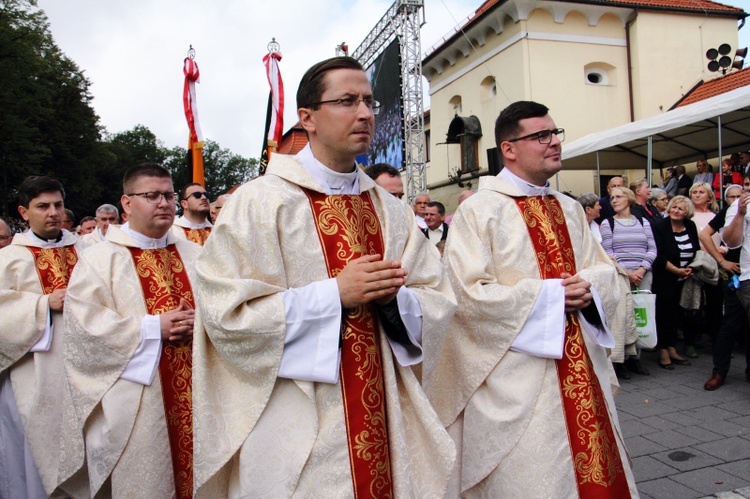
pixel 189 99
pixel 276 126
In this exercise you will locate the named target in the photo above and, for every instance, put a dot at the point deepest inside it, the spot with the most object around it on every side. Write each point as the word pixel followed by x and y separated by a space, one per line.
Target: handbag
pixel 644 308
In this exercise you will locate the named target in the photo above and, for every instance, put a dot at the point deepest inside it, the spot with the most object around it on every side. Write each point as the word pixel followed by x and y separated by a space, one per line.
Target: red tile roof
pixel 293 141
pixel 716 86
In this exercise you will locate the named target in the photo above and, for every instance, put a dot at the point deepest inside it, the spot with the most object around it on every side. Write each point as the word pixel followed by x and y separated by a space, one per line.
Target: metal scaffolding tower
pixel 403 20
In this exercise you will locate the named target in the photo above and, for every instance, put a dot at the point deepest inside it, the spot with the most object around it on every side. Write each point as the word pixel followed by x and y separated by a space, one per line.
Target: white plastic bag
pixel 644 307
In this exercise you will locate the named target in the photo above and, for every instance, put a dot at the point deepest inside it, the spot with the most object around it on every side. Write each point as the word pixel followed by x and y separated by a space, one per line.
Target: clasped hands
pixel 577 292
pixel 177 324
pixel 367 279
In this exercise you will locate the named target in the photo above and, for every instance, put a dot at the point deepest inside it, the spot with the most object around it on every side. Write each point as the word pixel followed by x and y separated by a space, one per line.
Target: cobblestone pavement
pixel 686 442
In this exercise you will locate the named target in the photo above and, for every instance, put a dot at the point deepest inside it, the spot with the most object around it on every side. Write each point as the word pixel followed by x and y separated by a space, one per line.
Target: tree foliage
pixel 48 125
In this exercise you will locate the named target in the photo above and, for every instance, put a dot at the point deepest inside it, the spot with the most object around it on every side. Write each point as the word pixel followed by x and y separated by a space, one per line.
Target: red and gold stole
pixel 197 235
pixel 54 265
pixel 596 459
pixel 164 280
pixel 348 228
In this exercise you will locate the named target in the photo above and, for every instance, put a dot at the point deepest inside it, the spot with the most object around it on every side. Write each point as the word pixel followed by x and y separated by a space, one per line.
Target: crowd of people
pixel 303 337
pixel 669 241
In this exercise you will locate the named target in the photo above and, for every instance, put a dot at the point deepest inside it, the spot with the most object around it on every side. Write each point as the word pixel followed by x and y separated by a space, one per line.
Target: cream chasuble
pixel 31 347
pixel 197 233
pixel 260 435
pixel 504 408
pixel 118 426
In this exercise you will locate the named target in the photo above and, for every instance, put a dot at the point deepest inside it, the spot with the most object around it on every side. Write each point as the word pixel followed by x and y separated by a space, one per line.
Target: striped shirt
pixel 632 243
pixel 687 251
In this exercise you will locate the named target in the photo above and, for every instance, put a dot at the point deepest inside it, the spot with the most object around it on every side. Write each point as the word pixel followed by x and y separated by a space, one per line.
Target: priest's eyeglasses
pixel 155 197
pixel 543 136
pixel 351 103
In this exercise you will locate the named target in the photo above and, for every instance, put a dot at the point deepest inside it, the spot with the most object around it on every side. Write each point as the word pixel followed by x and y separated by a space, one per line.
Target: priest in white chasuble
pixel 316 292
pixel 128 360
pixel 194 224
pixel 34 273
pixel 522 381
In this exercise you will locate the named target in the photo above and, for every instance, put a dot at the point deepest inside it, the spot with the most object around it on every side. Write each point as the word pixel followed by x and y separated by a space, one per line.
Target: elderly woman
pixel 658 201
pixel 592 208
pixel 629 241
pixel 677 244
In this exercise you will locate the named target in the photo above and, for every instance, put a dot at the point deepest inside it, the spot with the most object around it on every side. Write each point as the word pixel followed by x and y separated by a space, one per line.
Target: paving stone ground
pixel 686 442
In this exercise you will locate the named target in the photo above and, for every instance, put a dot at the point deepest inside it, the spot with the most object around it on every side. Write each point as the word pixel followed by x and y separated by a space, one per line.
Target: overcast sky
pixel 133 51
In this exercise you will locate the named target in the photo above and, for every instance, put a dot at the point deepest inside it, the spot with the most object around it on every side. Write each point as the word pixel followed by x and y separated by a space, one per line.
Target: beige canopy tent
pixel 707 129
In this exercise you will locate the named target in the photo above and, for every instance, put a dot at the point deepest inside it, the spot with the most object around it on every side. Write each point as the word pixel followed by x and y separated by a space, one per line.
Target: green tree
pixel 47 125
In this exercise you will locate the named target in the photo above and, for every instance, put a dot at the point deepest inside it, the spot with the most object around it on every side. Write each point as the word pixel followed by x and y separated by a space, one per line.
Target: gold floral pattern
pixel 164 282
pixel 596 457
pixel 197 236
pixel 54 266
pixel 348 228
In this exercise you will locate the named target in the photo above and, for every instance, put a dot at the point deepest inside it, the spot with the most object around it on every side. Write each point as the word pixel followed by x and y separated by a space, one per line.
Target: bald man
pixel 5 234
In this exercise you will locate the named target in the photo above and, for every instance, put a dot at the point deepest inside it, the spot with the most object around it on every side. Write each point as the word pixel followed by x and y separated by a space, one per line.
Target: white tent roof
pixel 682 135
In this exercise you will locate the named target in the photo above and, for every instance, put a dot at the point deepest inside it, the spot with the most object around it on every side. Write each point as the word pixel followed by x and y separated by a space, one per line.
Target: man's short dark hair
pixel 311 87
pixel 33 186
pixel 70 215
pixel 679 170
pixel 87 219
pixel 143 170
pixel 507 127
pixel 376 170
pixel 438 205
pixel 183 192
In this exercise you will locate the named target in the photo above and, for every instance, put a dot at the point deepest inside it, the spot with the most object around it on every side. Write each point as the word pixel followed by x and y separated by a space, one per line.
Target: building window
pixel 427 146
pixel 598 73
pixel 455 105
pixel 488 88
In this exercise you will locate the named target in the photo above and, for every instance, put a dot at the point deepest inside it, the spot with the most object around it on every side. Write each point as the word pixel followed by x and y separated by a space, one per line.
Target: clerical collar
pixel 45 243
pixel 522 185
pixel 331 181
pixel 143 241
pixel 192 225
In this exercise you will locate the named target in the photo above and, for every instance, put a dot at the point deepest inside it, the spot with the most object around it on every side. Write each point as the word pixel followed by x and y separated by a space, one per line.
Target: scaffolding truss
pixel 403 20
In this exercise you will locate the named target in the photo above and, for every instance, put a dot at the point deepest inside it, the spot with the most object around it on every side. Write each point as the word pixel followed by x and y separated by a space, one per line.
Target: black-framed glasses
pixel 351 103
pixel 198 195
pixel 155 197
pixel 543 136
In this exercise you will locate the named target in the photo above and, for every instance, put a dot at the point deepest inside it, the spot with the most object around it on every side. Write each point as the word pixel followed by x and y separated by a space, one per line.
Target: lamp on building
pixel 719 59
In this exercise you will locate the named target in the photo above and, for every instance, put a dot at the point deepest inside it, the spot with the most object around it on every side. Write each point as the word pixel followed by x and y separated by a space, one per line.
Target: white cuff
pixel 45 342
pixel 313 329
pixel 142 366
pixel 543 333
pixel 411 315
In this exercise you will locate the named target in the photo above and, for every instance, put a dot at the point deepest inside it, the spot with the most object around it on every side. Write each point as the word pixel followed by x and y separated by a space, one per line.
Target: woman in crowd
pixel 705 205
pixel 669 184
pixel 641 209
pixel 677 243
pixel 591 206
pixel 704 173
pixel 629 241
pixel 658 201
pixel 727 177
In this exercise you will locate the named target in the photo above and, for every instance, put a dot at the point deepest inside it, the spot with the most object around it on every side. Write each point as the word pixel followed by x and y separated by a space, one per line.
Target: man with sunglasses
pixel 194 224
pixel 315 291
pixel 523 375
pixel 128 359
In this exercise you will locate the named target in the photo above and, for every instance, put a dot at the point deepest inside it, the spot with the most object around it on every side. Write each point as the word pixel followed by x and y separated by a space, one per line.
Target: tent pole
pixel 598 176
pixel 649 165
